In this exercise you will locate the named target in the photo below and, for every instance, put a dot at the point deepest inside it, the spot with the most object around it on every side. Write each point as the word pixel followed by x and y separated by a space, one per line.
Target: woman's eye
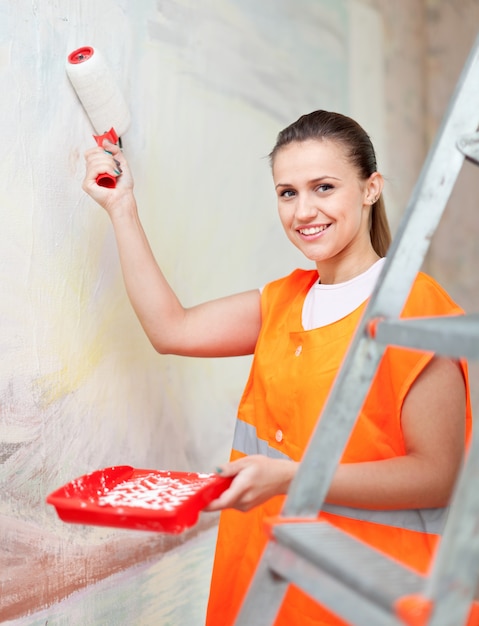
pixel 324 187
pixel 287 193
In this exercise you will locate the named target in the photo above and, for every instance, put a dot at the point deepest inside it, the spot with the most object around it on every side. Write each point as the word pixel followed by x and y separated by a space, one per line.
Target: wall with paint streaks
pixel 209 86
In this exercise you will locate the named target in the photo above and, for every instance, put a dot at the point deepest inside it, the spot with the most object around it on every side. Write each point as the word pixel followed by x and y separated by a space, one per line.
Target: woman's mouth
pixel 313 230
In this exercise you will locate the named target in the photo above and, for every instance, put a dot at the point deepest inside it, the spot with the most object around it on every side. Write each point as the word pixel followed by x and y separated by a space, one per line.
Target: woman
pixel 407 447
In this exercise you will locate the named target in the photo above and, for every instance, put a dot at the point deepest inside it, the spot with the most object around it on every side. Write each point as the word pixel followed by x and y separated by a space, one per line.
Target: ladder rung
pixel 343 601
pixel 367 571
pixel 455 336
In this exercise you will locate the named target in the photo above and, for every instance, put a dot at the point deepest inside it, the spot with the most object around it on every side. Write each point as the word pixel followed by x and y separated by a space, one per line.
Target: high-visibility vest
pixel 291 375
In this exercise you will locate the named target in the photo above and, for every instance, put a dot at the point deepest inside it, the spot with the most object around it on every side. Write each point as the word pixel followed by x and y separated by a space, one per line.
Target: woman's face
pixel 322 202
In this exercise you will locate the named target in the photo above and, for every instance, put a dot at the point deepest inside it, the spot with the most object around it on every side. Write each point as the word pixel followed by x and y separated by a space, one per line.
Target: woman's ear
pixel 374 187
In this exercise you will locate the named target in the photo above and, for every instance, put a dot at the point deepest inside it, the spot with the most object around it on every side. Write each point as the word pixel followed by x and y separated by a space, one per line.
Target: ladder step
pixel 455 336
pixel 368 572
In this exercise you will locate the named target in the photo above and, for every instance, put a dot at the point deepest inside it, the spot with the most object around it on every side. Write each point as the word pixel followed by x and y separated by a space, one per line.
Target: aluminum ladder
pixel 359 584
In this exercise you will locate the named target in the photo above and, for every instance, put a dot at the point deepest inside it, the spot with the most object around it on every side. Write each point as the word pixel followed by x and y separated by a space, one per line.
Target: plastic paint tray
pixel 138 499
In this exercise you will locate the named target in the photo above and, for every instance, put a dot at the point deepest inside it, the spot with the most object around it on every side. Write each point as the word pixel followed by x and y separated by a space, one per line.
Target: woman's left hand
pixel 256 479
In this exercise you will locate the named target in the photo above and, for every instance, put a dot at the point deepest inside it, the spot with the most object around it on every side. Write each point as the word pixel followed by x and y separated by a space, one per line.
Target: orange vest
pixel 291 375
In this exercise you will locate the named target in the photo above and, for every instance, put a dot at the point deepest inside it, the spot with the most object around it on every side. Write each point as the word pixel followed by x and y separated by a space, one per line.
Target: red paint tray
pixel 138 499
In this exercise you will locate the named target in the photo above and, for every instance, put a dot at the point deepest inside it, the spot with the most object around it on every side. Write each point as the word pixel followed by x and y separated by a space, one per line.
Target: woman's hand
pixel 107 159
pixel 256 479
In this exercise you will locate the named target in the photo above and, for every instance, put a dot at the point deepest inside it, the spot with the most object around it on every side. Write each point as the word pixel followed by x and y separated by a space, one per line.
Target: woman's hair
pixel 359 150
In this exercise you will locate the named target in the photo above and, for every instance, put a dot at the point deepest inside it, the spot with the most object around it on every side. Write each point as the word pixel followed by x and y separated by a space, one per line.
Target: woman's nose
pixel 305 207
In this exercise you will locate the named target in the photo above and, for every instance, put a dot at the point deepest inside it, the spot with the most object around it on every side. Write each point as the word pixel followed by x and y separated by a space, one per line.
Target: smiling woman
pixel 407 446
pixel 317 188
pixel 325 207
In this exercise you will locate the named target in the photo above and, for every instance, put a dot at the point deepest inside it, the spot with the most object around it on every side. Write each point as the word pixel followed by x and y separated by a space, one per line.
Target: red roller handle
pixel 105 179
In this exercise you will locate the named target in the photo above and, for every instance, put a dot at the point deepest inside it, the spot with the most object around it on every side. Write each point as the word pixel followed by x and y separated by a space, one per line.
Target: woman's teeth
pixel 313 231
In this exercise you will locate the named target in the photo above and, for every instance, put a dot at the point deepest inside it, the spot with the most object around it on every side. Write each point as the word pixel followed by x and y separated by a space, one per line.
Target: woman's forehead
pixel 316 155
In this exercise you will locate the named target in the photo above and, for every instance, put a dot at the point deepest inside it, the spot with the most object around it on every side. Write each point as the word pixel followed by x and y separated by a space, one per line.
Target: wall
pixel 209 86
pixel 452 30
pixel 425 47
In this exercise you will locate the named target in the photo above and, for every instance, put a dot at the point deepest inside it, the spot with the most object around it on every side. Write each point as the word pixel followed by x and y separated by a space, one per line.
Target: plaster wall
pixel 209 86
pixel 454 254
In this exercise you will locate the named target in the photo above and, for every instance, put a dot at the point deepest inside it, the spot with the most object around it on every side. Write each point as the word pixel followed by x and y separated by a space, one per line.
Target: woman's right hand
pixel 107 159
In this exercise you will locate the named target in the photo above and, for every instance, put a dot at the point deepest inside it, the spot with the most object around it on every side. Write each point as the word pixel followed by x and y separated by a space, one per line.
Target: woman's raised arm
pixel 224 327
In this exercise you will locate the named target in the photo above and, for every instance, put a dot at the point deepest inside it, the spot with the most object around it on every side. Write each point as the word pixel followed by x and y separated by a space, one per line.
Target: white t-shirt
pixel 326 304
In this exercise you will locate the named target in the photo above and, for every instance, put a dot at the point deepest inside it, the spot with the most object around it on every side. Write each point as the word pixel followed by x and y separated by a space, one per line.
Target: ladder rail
pixel 454 573
pixel 268 590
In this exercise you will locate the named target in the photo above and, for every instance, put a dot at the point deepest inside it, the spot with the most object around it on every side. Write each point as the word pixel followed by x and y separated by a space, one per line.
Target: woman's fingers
pixel 107 174
pixel 256 479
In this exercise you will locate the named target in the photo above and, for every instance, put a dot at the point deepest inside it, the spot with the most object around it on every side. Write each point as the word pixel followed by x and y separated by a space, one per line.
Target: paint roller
pixel 101 98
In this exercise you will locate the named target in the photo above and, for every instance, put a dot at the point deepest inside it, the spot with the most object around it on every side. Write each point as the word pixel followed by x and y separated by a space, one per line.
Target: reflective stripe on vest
pixel 432 521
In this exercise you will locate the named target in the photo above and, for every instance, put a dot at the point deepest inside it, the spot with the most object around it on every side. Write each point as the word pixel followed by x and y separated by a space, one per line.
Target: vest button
pixel 279 436
pixel 298 350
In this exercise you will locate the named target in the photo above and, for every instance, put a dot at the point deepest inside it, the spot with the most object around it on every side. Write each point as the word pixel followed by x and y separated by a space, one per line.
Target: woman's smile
pixel 312 233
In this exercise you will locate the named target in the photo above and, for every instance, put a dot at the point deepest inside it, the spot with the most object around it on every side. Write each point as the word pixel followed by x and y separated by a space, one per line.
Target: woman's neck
pixel 331 272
